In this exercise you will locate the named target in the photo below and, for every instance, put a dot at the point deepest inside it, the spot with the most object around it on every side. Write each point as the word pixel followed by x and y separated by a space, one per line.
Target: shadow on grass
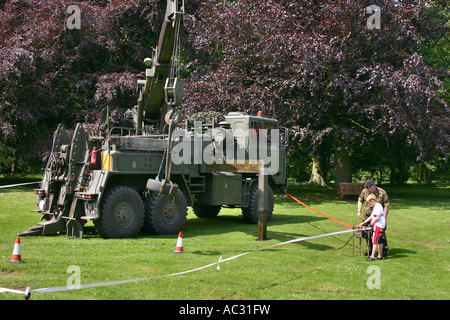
pixel 396 253
pixel 231 221
pixel 278 283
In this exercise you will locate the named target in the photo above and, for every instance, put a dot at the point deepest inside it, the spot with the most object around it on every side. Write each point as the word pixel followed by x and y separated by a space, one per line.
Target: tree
pixel 50 73
pixel 313 64
pixel 318 68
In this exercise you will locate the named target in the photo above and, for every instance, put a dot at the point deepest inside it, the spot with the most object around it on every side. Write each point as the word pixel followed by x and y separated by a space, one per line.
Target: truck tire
pixel 250 213
pixel 164 214
pixel 206 211
pixel 122 213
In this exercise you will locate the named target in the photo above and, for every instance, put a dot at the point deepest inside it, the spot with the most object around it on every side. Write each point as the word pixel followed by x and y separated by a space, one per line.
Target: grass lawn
pixel 417 266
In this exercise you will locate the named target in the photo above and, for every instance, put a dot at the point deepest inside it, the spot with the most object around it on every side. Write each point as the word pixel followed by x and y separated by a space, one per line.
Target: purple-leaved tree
pixel 317 67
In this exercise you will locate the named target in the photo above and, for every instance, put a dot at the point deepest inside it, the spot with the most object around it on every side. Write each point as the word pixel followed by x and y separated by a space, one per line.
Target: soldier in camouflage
pixel 383 199
pixel 381 195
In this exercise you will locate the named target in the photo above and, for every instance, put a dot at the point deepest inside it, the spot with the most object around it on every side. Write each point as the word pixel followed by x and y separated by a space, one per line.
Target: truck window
pixel 255 130
pixel 268 134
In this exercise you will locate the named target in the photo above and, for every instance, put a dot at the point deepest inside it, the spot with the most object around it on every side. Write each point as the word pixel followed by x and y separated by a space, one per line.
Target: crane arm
pixel 161 86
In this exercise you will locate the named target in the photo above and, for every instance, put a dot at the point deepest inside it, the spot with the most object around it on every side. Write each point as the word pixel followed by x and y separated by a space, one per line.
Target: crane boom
pixel 162 87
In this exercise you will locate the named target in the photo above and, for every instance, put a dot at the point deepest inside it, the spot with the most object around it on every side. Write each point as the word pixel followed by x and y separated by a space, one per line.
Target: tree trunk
pixel 316 176
pixel 13 164
pixel 342 166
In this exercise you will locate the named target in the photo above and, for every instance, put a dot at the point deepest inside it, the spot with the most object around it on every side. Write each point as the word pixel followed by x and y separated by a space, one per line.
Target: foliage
pixel 312 64
pixel 317 67
pixel 51 74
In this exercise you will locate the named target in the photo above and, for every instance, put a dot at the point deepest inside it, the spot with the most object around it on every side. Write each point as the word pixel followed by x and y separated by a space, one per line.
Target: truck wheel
pixel 122 213
pixel 205 211
pixel 250 213
pixel 165 214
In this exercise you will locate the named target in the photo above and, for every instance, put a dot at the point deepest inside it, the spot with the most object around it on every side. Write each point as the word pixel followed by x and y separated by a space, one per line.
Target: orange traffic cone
pixel 16 256
pixel 179 247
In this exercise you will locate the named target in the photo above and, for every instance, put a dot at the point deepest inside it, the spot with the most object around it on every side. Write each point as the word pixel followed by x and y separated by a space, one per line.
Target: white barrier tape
pixel 102 284
pixel 11 291
pixel 85 286
pixel 218 263
pixel 18 185
pixel 315 237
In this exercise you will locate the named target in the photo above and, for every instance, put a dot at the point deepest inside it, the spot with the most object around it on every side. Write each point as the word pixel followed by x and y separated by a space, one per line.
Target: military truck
pixel 124 179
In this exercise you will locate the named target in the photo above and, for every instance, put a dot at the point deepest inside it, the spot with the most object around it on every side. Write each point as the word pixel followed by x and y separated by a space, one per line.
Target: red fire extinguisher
pixel 94 156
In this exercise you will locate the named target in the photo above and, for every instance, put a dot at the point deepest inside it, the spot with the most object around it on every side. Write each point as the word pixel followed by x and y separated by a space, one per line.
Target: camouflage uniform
pixel 382 198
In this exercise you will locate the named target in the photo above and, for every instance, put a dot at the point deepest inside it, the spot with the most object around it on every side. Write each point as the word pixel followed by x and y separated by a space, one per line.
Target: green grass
pixel 417 266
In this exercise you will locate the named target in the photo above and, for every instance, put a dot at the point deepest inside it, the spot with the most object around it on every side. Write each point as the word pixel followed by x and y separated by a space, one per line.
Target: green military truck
pixel 124 179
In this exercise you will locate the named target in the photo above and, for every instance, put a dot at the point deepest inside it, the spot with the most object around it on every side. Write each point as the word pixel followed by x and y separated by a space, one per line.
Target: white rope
pixel 18 185
pixel 11 291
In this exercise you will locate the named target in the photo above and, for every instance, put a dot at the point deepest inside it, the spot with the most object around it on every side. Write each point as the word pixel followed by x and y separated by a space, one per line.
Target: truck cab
pixel 260 137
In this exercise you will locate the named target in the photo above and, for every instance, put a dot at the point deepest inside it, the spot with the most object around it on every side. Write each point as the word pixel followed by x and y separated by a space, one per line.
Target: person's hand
pixel 359 215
